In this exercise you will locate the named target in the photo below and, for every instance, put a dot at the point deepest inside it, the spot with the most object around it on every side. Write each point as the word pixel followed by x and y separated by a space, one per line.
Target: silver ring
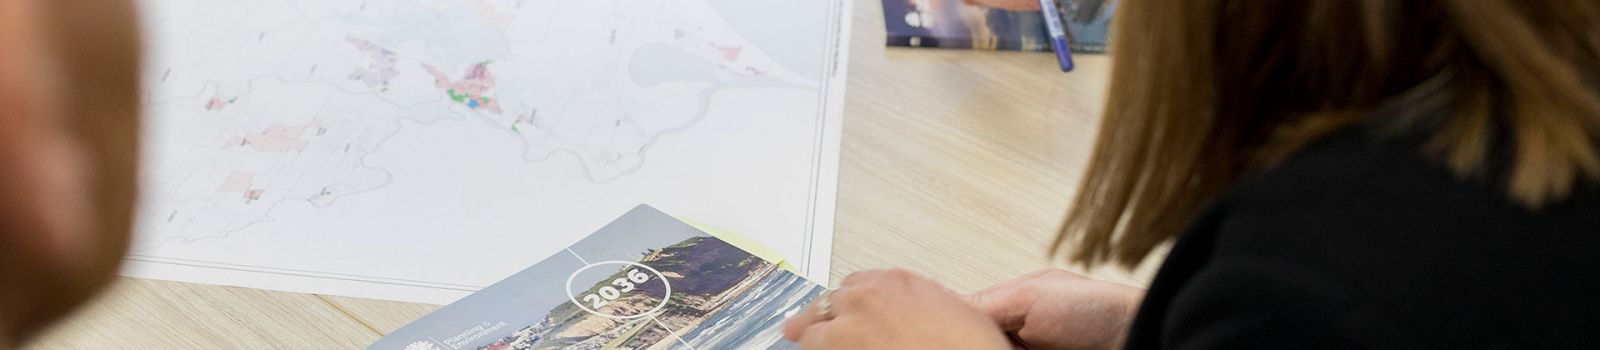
pixel 825 305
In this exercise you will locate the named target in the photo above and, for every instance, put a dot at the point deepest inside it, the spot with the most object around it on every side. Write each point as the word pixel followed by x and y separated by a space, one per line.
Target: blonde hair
pixel 1204 91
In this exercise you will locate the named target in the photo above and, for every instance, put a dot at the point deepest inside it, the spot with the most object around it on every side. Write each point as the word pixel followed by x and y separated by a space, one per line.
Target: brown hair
pixel 1204 91
pixel 91 94
pixel 99 47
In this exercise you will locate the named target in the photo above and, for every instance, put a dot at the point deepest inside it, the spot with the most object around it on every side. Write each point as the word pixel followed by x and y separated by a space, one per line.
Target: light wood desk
pixel 957 164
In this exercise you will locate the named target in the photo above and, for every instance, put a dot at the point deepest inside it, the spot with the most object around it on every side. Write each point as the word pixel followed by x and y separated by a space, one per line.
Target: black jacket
pixel 1356 243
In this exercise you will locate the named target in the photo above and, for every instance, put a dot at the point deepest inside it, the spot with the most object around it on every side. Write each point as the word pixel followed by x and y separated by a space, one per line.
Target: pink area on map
pixel 254 195
pixel 293 131
pixel 216 104
pixel 473 88
pixel 238 182
pixel 279 138
pixel 273 144
pixel 731 52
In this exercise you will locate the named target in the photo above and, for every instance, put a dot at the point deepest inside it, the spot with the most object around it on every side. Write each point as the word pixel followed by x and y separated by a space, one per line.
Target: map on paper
pixel 420 150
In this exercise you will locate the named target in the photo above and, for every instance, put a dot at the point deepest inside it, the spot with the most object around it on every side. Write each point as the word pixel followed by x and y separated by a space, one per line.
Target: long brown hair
pixel 1205 91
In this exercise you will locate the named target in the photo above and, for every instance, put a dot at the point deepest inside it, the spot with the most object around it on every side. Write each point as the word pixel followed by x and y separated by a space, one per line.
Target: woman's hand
pixel 1057 309
pixel 893 310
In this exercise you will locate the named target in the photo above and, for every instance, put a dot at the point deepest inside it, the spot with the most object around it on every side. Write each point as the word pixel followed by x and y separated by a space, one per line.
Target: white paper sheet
pixel 419 150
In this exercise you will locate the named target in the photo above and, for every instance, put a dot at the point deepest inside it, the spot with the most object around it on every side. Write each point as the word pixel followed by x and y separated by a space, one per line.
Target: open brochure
pixel 645 281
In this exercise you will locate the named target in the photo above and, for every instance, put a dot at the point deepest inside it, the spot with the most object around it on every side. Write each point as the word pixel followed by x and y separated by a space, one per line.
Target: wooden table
pixel 957 164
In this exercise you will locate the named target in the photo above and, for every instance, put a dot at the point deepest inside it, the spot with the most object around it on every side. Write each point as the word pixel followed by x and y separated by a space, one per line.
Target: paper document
pixel 420 150
pixel 645 281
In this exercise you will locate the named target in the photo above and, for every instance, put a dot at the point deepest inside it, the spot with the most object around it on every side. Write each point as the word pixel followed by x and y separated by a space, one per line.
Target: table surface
pixel 956 164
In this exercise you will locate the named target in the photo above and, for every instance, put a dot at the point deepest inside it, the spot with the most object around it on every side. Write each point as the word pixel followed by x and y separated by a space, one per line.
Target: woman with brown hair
pixel 69 105
pixel 1333 174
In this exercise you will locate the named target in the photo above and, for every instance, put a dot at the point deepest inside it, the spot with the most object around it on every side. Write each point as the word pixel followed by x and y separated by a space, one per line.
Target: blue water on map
pixel 794 33
pixel 653 64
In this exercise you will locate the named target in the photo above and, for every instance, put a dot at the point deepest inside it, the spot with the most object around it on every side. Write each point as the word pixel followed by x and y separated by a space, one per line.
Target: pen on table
pixel 1058 34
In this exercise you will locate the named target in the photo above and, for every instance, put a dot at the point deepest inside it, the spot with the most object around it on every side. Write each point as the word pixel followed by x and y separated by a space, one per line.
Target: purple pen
pixel 1058 34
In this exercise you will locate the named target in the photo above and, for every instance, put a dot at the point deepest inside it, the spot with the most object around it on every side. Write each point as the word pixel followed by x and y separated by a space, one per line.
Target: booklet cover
pixel 995 24
pixel 645 281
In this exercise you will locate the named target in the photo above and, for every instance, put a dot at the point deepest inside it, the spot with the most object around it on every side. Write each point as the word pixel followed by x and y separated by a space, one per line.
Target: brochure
pixel 996 24
pixel 645 281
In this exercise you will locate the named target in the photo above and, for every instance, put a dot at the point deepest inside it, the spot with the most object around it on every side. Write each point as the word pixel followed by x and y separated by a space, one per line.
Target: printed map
pixel 421 149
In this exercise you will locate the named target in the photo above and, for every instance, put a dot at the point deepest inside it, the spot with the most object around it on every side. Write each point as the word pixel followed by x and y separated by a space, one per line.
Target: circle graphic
pixel 612 294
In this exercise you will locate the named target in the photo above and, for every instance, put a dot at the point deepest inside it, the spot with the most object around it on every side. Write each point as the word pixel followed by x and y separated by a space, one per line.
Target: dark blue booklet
pixel 645 281
pixel 996 24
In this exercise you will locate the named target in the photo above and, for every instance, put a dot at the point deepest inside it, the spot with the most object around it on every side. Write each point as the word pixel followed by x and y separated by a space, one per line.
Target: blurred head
pixel 1204 91
pixel 68 127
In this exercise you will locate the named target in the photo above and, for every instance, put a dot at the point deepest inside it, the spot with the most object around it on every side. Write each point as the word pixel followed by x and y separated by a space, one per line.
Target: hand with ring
pixel 893 309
